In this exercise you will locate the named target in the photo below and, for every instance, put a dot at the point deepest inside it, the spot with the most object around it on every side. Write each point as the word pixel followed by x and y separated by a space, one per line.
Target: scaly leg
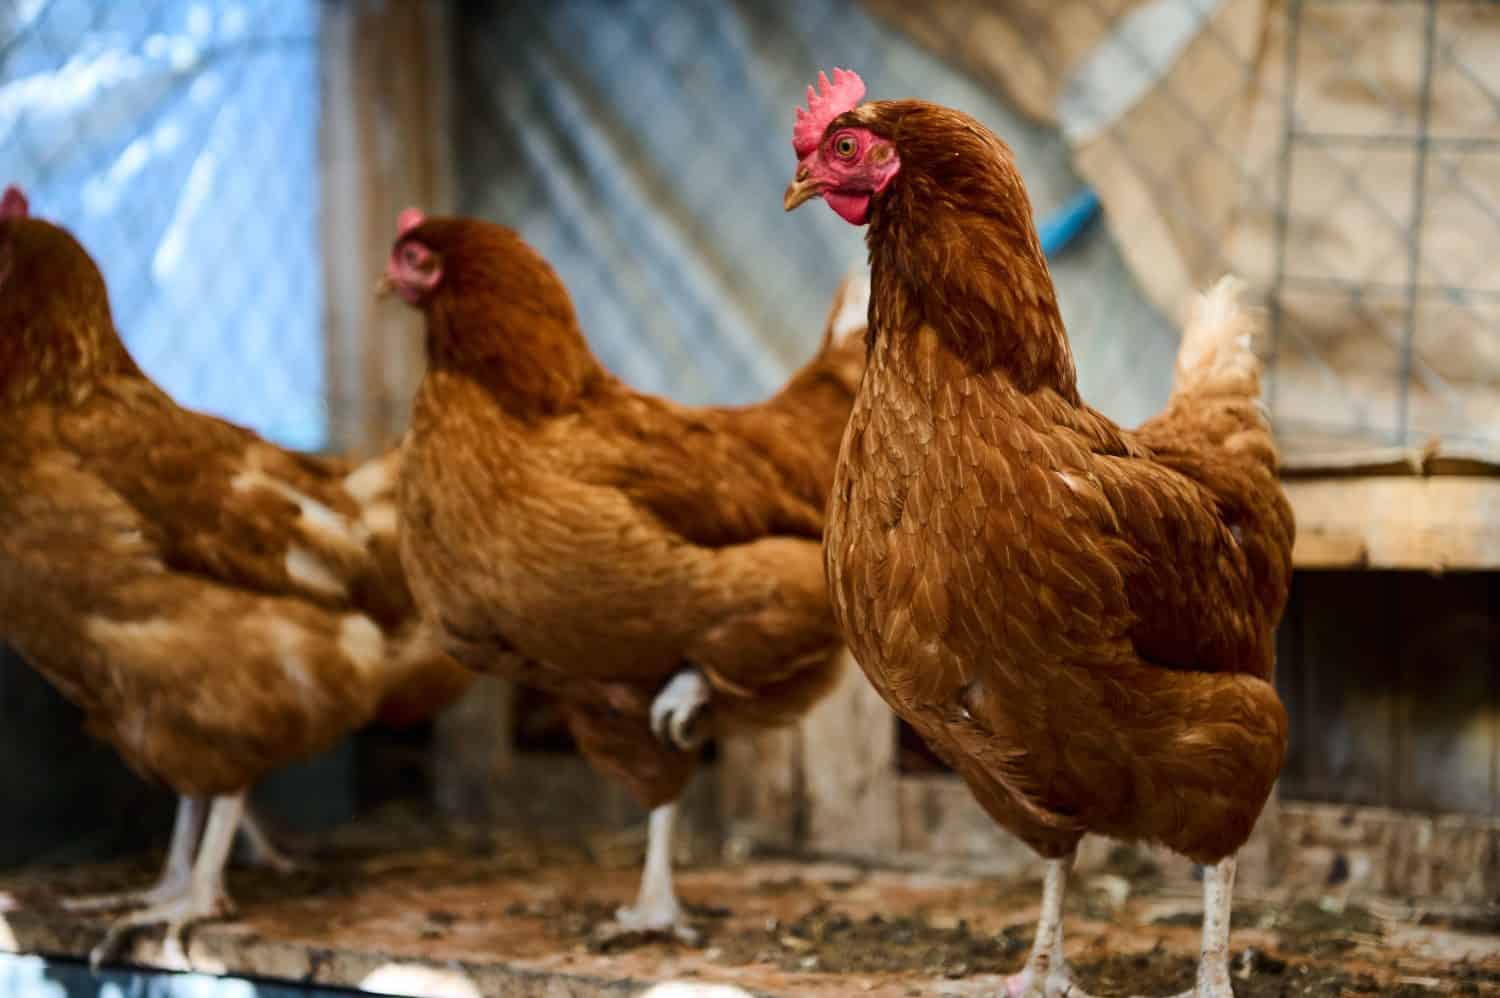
pixel 204 898
pixel 656 909
pixel 173 881
pixel 260 849
pixel 1213 958
pixel 1046 974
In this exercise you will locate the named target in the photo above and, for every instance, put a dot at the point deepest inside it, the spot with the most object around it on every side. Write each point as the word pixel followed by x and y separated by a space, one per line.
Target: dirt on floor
pixel 493 903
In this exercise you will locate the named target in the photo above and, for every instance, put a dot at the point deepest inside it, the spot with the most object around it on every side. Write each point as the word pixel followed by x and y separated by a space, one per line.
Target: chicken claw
pixel 1047 974
pixel 201 897
pixel 677 708
pixel 656 910
pixel 177 914
pixel 175 874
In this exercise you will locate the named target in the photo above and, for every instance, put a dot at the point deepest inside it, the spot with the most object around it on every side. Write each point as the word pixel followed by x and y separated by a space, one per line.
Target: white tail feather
pixel 1217 353
pixel 851 306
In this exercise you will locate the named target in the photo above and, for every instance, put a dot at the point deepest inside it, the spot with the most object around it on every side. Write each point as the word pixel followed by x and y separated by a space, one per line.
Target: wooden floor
pixel 400 909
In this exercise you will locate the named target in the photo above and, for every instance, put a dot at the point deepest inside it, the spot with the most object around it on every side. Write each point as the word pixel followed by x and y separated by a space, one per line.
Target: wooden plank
pixel 1297 844
pixel 472 751
pixel 849 753
pixel 1449 721
pixel 1425 524
pixel 1406 854
pixel 940 820
pixel 384 145
pixel 761 789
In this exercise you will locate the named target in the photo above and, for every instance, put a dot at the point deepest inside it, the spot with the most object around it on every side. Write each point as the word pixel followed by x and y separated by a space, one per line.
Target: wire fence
pixel 178 140
pixel 1340 153
pixel 643 147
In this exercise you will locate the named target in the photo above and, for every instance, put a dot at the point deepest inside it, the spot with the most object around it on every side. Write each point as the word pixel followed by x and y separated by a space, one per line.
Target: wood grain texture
pixel 1397 522
pixel 850 769
pixel 384 146
pixel 762 788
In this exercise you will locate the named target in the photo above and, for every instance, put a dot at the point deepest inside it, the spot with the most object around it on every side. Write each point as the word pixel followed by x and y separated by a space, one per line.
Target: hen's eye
pixel 844 146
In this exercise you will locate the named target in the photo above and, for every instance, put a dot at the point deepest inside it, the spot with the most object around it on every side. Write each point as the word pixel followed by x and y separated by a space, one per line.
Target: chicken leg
pixel 1213 958
pixel 1046 974
pixel 175 873
pixel 204 896
pixel 656 909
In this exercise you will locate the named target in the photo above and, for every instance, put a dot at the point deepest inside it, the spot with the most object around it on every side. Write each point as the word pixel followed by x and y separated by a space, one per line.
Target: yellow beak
pixel 385 287
pixel 801 190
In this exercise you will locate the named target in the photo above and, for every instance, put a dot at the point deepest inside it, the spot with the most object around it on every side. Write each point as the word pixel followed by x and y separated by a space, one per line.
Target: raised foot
pixel 678 707
pixel 1058 983
pixel 656 922
pixel 176 914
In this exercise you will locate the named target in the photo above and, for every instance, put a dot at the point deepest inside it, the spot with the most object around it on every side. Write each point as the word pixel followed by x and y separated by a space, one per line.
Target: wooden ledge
pixel 1397 522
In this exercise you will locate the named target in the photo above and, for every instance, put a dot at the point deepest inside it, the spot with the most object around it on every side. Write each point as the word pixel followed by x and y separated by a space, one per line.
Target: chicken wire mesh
pixel 1338 153
pixel 643 147
pixel 178 140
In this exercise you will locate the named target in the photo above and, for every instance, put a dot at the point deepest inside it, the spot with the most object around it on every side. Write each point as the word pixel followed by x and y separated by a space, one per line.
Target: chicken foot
pixel 202 897
pixel 187 828
pixel 1047 974
pixel 656 909
pixel 677 709
pixel 1213 957
pixel 175 872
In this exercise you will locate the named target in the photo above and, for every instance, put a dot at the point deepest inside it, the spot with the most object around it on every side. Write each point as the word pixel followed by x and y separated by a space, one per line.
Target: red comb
pixel 823 105
pixel 409 219
pixel 13 204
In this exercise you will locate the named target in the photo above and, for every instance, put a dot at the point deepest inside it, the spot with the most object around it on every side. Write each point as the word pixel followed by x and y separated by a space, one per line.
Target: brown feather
pixel 1078 618
pixel 216 605
pixel 576 535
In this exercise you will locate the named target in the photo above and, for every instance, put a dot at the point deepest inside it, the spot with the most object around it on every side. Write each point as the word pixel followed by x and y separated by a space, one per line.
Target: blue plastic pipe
pixel 1063 226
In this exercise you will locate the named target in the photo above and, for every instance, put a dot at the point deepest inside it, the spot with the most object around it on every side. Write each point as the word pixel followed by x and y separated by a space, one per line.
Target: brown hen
pixel 1078 618
pixel 657 568
pixel 217 606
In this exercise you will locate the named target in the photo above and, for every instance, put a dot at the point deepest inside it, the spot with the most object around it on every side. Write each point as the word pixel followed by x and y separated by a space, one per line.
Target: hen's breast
pixel 888 564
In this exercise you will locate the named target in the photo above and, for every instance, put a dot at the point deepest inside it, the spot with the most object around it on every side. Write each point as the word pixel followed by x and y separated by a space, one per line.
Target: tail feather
pixel 1217 356
pixel 1215 402
pixel 848 316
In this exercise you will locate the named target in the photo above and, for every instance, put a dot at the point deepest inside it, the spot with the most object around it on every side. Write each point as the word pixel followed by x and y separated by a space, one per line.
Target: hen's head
pixel 857 156
pixel 437 263
pixel 952 242
pixel 840 158
pixel 491 304
pixel 56 330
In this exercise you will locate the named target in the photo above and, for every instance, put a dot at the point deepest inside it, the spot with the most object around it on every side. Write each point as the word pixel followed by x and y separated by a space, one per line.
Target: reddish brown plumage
pixel 216 605
pixel 589 540
pixel 1078 618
